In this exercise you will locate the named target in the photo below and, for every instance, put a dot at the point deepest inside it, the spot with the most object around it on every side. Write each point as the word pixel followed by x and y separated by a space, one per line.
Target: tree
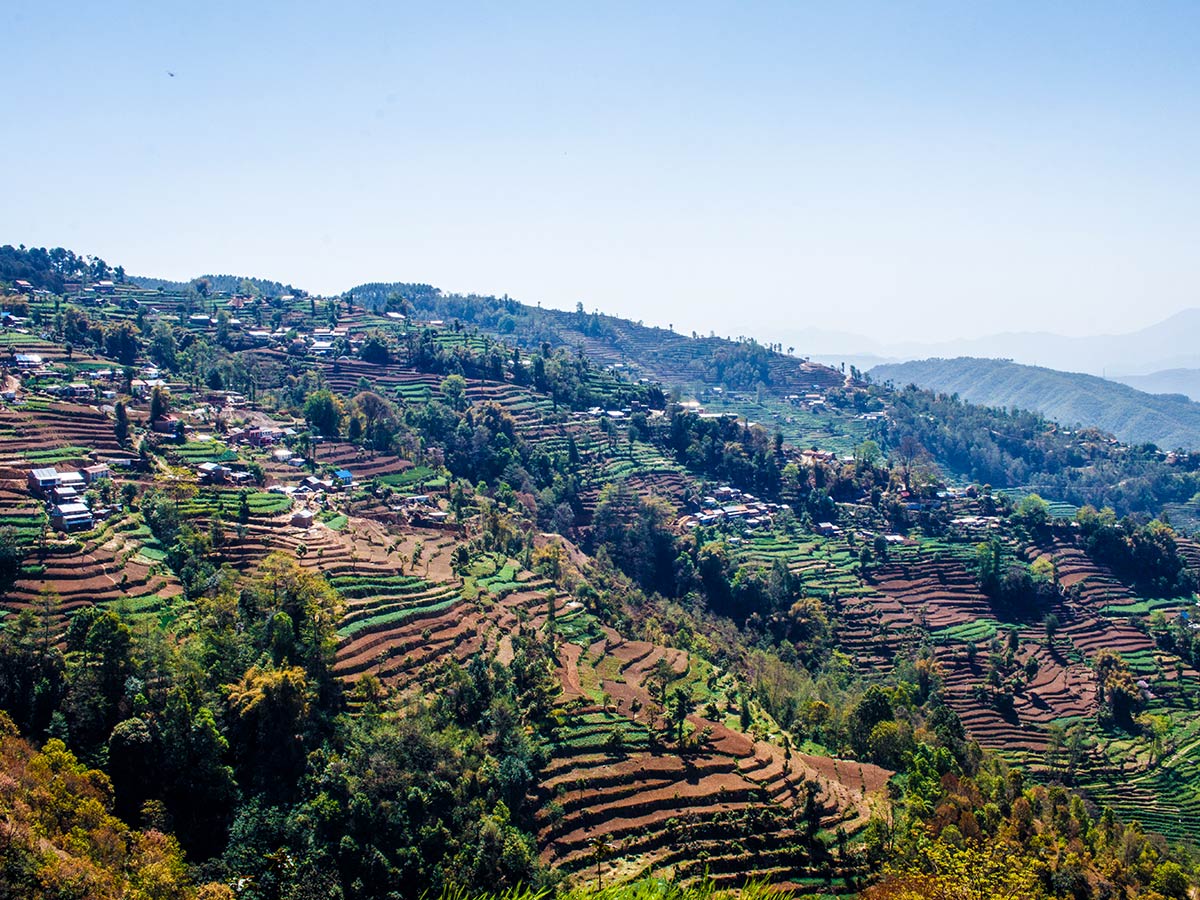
pixel 679 707
pixel 121 342
pixel 177 483
pixel 160 403
pixel 375 350
pixel 121 424
pixel 908 453
pixel 871 709
pixel 1045 570
pixel 601 850
pixel 994 870
pixel 12 553
pixel 314 608
pixel 163 347
pixel 61 838
pixel 867 453
pixel 1050 625
pixel 1033 512
pixel 269 707
pixel 454 389
pixel 324 411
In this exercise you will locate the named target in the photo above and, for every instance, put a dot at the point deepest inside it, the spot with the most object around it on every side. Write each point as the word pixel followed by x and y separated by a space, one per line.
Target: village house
pixel 71 517
pixel 262 437
pixel 313 484
pixel 97 472
pixel 258 337
pixel 43 481
pixel 72 480
pixel 212 473
pixel 64 494
pixel 142 387
pixel 168 424
pixel 302 518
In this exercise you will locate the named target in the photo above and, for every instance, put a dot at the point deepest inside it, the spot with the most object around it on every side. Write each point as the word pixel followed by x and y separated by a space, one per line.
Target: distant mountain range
pixel 1169 420
pixel 1167 354
pixel 1170 381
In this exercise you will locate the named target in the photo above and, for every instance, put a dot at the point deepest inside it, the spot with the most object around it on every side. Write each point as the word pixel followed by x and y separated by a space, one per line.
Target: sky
pixel 905 171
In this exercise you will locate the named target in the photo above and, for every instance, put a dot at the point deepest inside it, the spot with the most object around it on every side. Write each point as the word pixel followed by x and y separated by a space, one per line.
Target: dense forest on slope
pixel 1073 399
pixel 229 284
pixel 369 606
pixel 1022 450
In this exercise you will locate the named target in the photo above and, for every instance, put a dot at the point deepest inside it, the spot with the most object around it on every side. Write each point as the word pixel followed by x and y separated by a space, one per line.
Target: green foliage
pixel 324 412
pixel 62 839
pixel 1022 449
pixel 1146 555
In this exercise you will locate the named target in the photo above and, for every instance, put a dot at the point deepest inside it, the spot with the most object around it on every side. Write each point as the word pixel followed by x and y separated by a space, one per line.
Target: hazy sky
pixel 902 170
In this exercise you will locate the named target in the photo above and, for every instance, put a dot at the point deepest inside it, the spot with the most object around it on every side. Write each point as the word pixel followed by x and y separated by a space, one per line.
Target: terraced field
pixel 45 433
pixel 617 795
pixel 117 565
pixel 613 777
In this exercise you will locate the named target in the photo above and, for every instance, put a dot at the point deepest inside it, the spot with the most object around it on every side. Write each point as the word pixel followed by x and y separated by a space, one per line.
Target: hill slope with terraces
pixel 400 590
pixel 658 353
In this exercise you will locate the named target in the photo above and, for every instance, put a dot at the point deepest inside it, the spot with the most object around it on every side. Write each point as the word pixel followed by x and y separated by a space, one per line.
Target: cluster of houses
pixel 88 386
pixel 730 505
pixel 215 473
pixel 64 494
pixel 259 435
pixel 421 509
pixel 812 400
pixel 312 485
pixel 974 526
pixel 317 342
pixel 870 536
pixel 313 488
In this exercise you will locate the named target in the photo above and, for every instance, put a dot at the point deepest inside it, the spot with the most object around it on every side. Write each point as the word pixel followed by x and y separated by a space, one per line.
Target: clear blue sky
pixel 900 170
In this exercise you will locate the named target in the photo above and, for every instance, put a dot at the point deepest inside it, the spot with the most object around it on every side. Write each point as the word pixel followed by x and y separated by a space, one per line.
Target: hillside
pixel 229 284
pixel 659 353
pixel 1070 398
pixel 464 598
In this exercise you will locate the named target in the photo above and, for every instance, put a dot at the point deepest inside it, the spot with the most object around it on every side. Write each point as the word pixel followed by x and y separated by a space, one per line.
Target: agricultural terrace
pixel 623 791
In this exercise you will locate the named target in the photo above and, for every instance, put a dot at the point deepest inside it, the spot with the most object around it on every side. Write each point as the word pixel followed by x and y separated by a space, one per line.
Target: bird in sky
pixel 172 74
